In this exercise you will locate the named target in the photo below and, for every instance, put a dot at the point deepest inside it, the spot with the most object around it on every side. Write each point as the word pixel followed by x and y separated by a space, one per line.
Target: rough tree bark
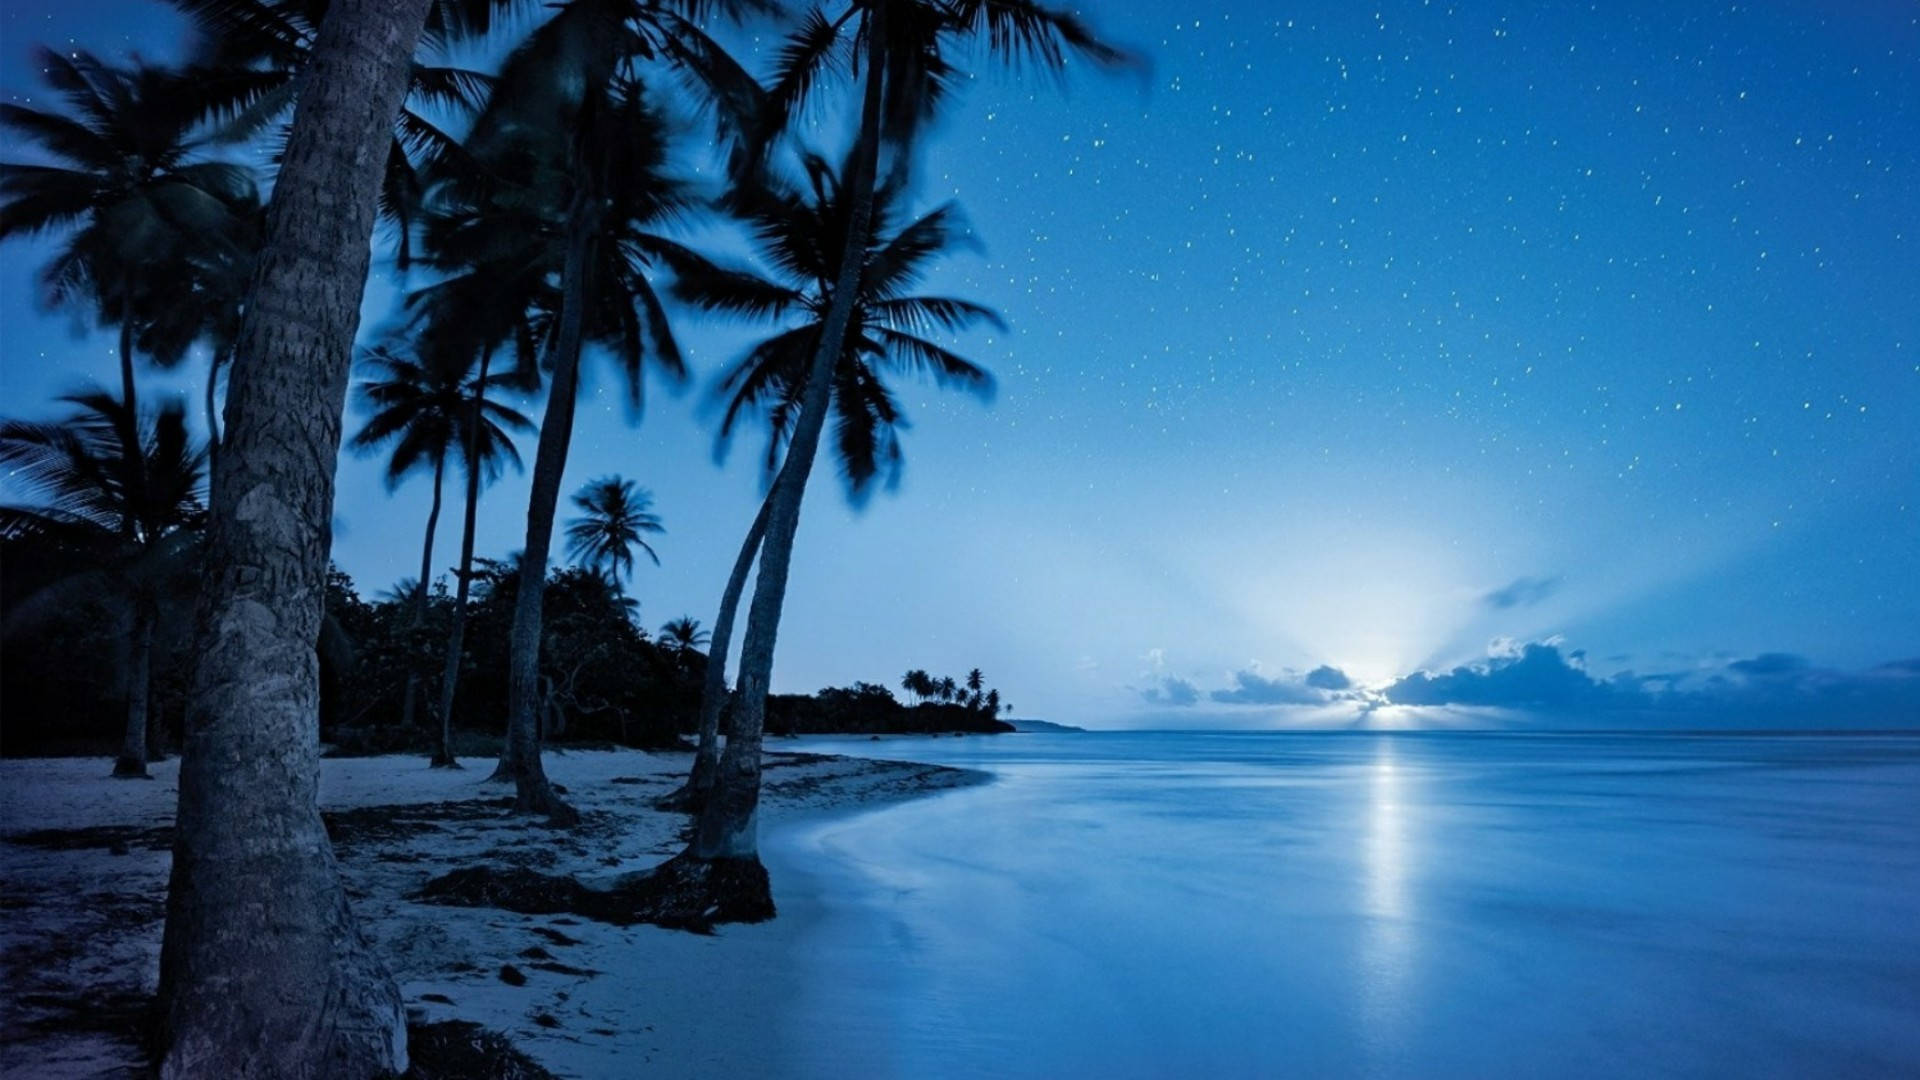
pixel 409 712
pixel 520 760
pixel 263 972
pixel 728 826
pixel 713 694
pixel 457 636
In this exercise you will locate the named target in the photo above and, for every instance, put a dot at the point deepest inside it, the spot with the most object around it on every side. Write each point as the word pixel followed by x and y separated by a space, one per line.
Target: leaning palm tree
pixel 135 535
pixel 136 207
pixel 616 517
pixel 263 971
pixel 890 321
pixel 898 50
pixel 575 185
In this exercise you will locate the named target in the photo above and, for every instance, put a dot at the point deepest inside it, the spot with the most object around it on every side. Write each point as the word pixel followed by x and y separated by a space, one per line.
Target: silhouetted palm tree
pixel 616 518
pixel 135 534
pixel 895 46
pixel 252 54
pixel 683 634
pixel 789 225
pixel 136 206
pixel 576 182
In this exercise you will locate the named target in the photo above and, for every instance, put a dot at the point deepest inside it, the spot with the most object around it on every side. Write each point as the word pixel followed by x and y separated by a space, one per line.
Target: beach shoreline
pixel 84 861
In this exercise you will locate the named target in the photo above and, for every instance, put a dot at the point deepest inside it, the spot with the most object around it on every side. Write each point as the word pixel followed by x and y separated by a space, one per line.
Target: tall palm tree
pixel 571 147
pixel 263 972
pixel 616 517
pixel 135 534
pixel 424 411
pixel 252 54
pixel 125 187
pixel 898 48
pixel 486 444
pixel 789 224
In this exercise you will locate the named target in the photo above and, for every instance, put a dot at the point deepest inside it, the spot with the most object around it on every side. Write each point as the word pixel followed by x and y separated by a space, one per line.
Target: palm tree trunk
pixel 134 458
pixel 132 762
pixel 409 712
pixel 728 826
pixel 211 401
pixel 713 694
pixel 263 971
pixel 456 637
pixel 521 758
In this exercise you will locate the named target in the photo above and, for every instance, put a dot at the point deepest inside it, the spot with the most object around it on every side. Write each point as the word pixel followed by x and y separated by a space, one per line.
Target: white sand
pixel 80 927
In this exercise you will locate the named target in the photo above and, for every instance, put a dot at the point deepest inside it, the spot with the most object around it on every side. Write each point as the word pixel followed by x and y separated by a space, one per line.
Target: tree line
pixel 537 211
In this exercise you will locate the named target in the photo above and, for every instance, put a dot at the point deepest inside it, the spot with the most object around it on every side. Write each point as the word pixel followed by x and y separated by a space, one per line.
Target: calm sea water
pixel 1147 905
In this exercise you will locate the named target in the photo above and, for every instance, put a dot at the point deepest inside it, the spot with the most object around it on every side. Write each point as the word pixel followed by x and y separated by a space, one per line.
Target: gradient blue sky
pixel 1388 337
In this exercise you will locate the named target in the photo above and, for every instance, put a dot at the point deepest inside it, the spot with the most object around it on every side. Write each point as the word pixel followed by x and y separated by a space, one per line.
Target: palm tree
pixel 486 445
pixel 683 634
pixel 616 517
pixel 948 689
pixel 426 412
pixel 575 158
pixel 263 971
pixel 975 680
pixel 135 534
pixel 903 77
pixel 137 209
pixel 767 381
pixel 252 54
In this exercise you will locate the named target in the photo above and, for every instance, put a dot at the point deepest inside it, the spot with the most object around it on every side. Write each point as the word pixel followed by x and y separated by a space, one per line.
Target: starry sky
pixel 1407 363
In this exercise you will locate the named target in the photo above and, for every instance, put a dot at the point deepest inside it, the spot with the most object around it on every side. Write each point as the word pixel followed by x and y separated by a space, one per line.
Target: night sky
pixel 1573 348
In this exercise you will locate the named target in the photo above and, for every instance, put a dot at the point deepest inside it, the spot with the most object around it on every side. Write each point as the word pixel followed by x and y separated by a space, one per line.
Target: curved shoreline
pixel 85 889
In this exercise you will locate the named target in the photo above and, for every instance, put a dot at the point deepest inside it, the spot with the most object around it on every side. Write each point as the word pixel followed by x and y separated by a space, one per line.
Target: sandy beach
pixel 83 872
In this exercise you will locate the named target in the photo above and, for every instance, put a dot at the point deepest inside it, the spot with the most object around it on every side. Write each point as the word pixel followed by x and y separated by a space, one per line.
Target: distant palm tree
pixel 975 680
pixel 135 206
pixel 416 410
pixel 683 634
pixel 135 534
pixel 993 703
pixel 616 518
pixel 948 688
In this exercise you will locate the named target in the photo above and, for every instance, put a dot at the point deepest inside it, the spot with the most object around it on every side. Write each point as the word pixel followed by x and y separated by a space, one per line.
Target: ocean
pixel 1369 905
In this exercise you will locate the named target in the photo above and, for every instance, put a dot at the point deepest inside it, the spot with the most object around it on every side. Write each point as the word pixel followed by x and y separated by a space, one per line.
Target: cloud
pixel 1172 691
pixel 1251 688
pixel 1326 677
pixel 1770 690
pixel 1768 664
pixel 1537 676
pixel 1522 592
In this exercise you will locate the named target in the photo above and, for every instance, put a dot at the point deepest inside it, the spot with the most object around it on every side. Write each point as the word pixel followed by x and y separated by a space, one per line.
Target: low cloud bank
pixel 1765 691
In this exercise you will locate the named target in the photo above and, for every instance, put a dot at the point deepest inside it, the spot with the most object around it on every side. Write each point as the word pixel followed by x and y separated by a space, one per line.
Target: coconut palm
pixel 575 185
pixel 135 534
pixel 683 634
pixel 136 207
pixel 896 47
pixel 616 517
pixel 252 54
pixel 796 229
pixel 422 413
pixel 263 971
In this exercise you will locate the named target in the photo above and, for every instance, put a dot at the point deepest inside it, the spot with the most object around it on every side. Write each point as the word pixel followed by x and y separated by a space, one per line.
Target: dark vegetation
pixel 606 679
